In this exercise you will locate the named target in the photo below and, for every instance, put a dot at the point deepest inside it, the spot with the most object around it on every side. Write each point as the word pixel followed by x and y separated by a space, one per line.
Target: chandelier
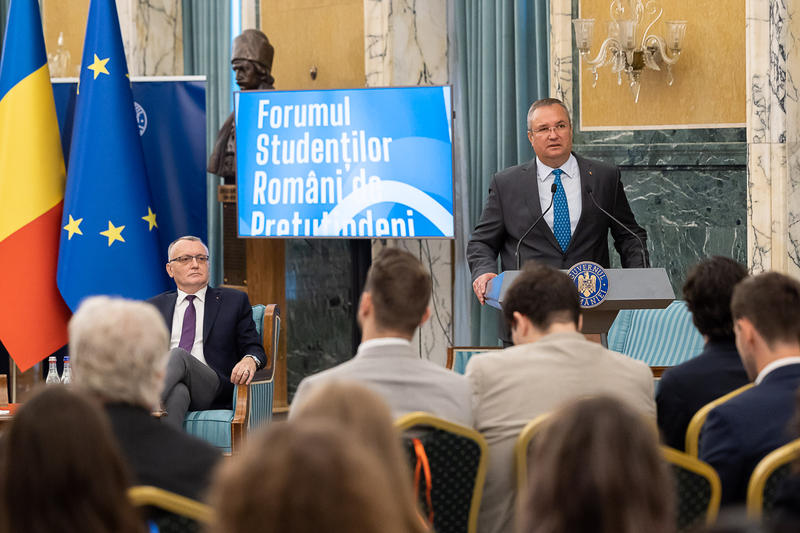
pixel 623 51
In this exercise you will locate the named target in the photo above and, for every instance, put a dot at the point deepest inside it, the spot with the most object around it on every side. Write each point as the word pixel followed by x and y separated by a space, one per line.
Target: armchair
pixel 252 404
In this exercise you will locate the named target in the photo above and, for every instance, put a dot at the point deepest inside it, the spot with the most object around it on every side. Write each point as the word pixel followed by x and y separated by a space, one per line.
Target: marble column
pixel 406 44
pixel 152 32
pixel 561 51
pixel 773 136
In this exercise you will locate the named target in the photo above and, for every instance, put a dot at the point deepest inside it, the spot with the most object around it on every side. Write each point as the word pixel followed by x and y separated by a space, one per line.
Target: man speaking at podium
pixel 556 209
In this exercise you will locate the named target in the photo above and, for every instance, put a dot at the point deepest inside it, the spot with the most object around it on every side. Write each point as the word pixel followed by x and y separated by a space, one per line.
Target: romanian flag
pixel 33 317
pixel 109 237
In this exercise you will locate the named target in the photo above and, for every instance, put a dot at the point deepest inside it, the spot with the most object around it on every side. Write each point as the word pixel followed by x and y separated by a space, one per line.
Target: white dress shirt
pixel 571 179
pixel 177 322
pixel 778 363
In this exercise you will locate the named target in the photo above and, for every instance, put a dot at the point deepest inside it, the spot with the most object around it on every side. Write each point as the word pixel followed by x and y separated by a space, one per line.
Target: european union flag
pixel 109 241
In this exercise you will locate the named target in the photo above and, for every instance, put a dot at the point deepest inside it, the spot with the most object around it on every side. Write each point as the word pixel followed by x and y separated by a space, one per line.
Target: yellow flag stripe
pixel 32 173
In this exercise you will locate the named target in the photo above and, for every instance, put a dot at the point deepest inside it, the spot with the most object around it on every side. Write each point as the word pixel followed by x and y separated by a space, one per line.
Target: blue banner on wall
pixel 172 124
pixel 345 163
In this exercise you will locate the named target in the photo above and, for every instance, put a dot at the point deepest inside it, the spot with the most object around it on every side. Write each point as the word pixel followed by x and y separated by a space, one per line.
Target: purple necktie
pixel 189 321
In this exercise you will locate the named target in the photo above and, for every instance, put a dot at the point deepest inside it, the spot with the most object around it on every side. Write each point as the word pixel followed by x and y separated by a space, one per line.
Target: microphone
pixel 553 188
pixel 626 228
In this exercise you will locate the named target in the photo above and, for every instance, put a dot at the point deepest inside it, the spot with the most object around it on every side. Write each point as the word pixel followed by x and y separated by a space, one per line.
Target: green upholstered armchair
pixel 252 404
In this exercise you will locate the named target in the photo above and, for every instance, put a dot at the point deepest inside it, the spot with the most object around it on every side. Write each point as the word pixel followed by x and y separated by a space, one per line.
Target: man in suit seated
pixel 213 341
pixel 686 388
pixel 741 431
pixel 394 304
pixel 550 364
pixel 119 350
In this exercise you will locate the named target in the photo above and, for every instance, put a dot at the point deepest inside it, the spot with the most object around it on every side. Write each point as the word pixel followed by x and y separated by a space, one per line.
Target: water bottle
pixel 52 372
pixel 66 377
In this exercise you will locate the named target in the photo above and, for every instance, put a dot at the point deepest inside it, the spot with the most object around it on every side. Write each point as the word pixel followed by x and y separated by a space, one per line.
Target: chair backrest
pixel 171 512
pixel 457 457
pixel 522 447
pixel 767 477
pixel 459 356
pixel 697 488
pixel 699 418
pixel 659 337
pixel 261 391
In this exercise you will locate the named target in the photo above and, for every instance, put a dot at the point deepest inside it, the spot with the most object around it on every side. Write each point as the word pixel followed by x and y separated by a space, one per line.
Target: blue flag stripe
pixel 20 62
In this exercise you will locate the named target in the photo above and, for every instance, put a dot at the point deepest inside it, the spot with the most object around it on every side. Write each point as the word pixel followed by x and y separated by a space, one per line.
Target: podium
pixel 628 288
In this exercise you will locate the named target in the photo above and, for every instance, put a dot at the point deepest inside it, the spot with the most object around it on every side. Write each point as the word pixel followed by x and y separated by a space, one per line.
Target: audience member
pixel 363 415
pixel 306 476
pixel 214 343
pixel 394 304
pixel 597 468
pixel 740 432
pixel 686 388
pixel 60 469
pixel 785 512
pixel 119 350
pixel 551 363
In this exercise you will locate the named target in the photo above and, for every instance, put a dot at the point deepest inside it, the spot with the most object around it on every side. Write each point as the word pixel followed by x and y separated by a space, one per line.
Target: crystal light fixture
pixel 621 49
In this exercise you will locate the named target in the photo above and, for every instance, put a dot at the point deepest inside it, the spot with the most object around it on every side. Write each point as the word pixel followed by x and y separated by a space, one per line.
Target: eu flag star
pixel 99 66
pixel 113 233
pixel 150 218
pixel 73 227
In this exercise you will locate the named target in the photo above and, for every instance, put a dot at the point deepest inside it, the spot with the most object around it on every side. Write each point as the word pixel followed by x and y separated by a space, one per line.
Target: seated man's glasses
pixel 185 259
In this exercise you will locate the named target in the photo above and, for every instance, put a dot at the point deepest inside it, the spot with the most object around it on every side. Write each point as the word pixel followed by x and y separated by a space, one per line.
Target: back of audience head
pixel 60 469
pixel 597 468
pixel 305 476
pixel 708 290
pixel 543 296
pixel 119 350
pixel 396 292
pixel 766 314
pixel 366 417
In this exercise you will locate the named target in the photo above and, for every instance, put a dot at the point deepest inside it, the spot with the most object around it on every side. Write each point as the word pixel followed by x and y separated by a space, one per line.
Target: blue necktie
pixel 561 225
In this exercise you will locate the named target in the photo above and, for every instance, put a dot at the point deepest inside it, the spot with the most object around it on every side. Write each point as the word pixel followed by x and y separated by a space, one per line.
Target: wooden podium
pixel 628 288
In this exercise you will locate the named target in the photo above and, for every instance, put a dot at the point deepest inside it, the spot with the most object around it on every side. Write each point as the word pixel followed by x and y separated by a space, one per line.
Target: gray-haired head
pixel 185 238
pixel 119 350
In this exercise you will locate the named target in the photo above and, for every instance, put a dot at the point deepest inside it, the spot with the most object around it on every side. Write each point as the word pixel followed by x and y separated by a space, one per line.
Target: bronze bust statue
pixel 252 62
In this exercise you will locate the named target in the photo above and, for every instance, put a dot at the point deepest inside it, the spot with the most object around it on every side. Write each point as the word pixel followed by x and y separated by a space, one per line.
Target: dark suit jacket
pixel 513 205
pixel 684 389
pixel 160 455
pixel 229 333
pixel 740 432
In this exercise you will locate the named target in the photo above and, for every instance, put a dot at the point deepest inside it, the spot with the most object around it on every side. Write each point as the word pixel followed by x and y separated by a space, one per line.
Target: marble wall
pixel 687 187
pixel 406 44
pixel 152 32
pixel 773 135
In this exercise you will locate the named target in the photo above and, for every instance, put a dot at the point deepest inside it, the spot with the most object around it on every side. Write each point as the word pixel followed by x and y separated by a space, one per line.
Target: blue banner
pixel 109 240
pixel 171 115
pixel 345 163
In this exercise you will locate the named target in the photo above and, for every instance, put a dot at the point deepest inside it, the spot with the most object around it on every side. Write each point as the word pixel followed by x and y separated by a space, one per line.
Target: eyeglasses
pixel 185 259
pixel 559 128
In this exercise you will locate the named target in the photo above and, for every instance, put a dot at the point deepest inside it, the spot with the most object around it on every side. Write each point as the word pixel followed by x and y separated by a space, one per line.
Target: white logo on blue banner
pixel 345 163
pixel 141 118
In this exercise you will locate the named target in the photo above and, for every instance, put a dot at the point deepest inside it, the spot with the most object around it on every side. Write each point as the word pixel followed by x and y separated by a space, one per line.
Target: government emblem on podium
pixel 592 283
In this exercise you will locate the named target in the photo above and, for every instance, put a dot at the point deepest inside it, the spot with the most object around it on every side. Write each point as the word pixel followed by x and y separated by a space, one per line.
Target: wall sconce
pixel 621 50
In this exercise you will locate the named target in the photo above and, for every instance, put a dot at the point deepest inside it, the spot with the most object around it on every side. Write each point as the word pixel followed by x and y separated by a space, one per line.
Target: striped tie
pixel 561 225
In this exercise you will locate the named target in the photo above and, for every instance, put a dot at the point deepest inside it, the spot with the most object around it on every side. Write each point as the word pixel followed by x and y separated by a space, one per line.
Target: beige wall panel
pixel 709 86
pixel 67 18
pixel 327 34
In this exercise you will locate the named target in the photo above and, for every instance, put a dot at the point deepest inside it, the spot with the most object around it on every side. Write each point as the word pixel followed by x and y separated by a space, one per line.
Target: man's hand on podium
pixel 479 285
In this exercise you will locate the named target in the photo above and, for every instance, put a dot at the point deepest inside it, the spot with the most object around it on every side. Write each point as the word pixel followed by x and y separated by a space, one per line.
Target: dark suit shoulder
pixel 228 293
pixel 596 165
pixel 162 298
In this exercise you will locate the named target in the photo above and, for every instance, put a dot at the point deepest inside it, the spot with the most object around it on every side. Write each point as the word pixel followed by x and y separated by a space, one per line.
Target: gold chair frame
pixel 699 418
pixel 521 448
pixel 763 470
pixel 144 495
pixel 419 418
pixel 693 464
